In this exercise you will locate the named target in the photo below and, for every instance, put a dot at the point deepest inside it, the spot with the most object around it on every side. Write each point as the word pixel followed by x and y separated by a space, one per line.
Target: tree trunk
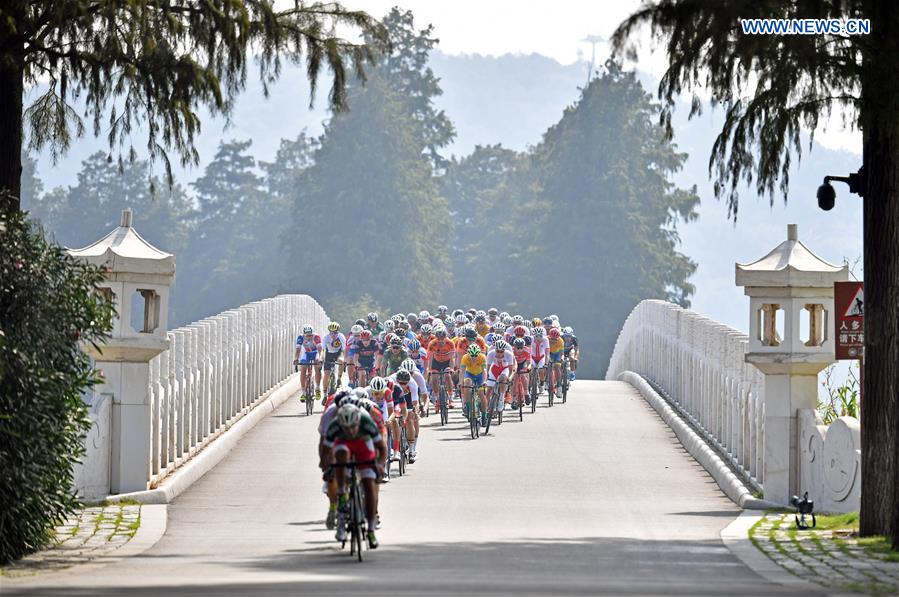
pixel 880 407
pixel 11 90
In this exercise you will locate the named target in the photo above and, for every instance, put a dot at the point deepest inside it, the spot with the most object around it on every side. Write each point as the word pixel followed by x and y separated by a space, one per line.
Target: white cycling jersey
pixel 334 342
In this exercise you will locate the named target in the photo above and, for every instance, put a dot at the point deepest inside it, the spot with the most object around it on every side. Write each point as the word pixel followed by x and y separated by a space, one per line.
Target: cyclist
pixel 377 415
pixel 473 364
pixel 389 395
pixel 326 457
pixel 394 356
pixel 424 317
pixel 412 320
pixel 556 350
pixel 403 379
pixel 308 346
pixel 441 351
pixel 350 363
pixel 481 326
pixel 334 344
pixel 500 370
pixel 373 324
pixel 442 312
pixel 417 353
pixel 423 398
pixel 354 434
pixel 493 316
pixel 425 334
pixel 468 337
pixel 571 350
pixel 523 361
pixel 539 348
pixel 367 354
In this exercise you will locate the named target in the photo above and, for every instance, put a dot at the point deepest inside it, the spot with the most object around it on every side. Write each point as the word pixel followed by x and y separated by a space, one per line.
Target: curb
pixel 735 537
pixel 729 483
pixel 153 523
pixel 213 453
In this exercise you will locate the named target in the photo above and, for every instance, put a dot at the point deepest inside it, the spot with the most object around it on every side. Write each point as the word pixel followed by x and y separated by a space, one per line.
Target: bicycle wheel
pixel 403 447
pixel 389 449
pixel 359 519
pixel 491 408
pixel 550 384
pixel 473 418
pixel 565 381
pixel 533 390
pixel 310 397
pixel 444 410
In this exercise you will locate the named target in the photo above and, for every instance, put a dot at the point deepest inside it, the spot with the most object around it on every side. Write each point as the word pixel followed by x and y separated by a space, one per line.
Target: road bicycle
pixel 401 456
pixel 474 402
pixel 442 399
pixel 354 515
pixel 565 382
pixel 550 382
pixel 308 388
pixel 495 406
pixel 534 379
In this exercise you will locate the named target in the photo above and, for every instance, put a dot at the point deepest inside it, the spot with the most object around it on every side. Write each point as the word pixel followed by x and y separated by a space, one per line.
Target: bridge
pixel 624 489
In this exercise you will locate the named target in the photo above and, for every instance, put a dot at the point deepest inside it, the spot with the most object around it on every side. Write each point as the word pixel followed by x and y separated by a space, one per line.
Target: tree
pixel 770 89
pixel 154 63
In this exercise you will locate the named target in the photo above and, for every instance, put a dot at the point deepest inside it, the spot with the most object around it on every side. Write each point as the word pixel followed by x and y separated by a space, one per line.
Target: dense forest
pixel 374 215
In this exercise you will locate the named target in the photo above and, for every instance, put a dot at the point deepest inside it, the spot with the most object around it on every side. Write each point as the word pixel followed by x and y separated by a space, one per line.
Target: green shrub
pixel 48 305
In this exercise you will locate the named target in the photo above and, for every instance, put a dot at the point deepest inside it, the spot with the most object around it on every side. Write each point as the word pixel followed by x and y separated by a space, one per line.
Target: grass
pixel 832 522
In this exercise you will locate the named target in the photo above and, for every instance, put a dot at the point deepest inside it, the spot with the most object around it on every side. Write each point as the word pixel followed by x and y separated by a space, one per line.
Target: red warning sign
pixel 849 304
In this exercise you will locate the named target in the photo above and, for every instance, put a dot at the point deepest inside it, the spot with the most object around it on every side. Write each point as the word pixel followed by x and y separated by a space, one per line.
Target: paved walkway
pixel 595 496
pixel 827 558
pixel 89 534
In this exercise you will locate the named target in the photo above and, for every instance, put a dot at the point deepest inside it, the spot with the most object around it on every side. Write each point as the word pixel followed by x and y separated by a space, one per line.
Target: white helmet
pixel 378 384
pixel 500 345
pixel 426 328
pixel 356 330
pixel 423 314
pixel 409 365
pixel 348 416
pixel 307 329
pixel 389 325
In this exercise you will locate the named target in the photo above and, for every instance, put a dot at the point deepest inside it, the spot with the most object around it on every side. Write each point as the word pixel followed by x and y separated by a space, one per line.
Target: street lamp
pixel 827 196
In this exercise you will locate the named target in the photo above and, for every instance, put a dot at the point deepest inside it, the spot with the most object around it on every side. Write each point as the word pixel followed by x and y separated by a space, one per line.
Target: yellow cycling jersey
pixel 556 345
pixel 476 365
pixel 482 328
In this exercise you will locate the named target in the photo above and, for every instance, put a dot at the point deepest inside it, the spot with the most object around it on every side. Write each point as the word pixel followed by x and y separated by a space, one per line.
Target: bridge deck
pixel 593 496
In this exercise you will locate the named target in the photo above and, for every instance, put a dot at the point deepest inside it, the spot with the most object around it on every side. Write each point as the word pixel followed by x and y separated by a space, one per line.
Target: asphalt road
pixel 595 496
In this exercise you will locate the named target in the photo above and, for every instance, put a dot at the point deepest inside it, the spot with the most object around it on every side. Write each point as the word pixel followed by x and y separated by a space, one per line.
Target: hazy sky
pixel 555 29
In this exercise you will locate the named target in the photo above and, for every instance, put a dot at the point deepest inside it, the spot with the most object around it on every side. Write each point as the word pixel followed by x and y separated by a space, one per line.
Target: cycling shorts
pixel 478 379
pixel 440 365
pixel 367 362
pixel 308 358
pixel 540 362
pixel 523 367
pixel 361 450
pixel 331 359
pixel 556 357
pixel 494 373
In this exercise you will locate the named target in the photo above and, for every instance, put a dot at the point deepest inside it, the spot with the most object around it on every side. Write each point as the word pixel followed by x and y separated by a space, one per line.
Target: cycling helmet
pixel 356 330
pixel 554 317
pixel 373 317
pixel 307 329
pixel 491 338
pixel 507 321
pixel 537 321
pixel 503 314
pixel 388 338
pixel 472 311
pixel 500 345
pixel 480 318
pixel 409 365
pixel 481 312
pixel 547 321
pixel 411 317
pixel 389 325
pixel 554 333
pixel 474 350
pixel 365 335
pixel 518 343
pixel 520 331
pixel 568 330
pixel 499 327
pixel 403 325
pixel 529 324
pixel 492 311
pixel 458 312
pixel 396 341
pixel 378 384
pixel 426 328
pixel 348 416
pixel 517 319
pixel 333 327
pixel 403 376
pixel 538 332
pixel 424 314
pixel 470 333
pixel 440 332
pixel 360 322
pixel 414 345
pixel 360 394
pixel 461 319
pixel 442 310
pixel 449 323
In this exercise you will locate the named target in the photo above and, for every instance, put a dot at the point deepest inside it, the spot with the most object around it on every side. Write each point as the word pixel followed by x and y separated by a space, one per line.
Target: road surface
pixel 595 496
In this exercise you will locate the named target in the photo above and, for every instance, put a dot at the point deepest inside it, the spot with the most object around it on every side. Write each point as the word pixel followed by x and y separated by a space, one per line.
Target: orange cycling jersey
pixel 425 341
pixel 462 344
pixel 556 345
pixel 441 350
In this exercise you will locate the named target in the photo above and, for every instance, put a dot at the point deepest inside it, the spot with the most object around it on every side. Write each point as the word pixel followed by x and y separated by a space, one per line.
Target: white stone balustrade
pixel 215 371
pixel 699 364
